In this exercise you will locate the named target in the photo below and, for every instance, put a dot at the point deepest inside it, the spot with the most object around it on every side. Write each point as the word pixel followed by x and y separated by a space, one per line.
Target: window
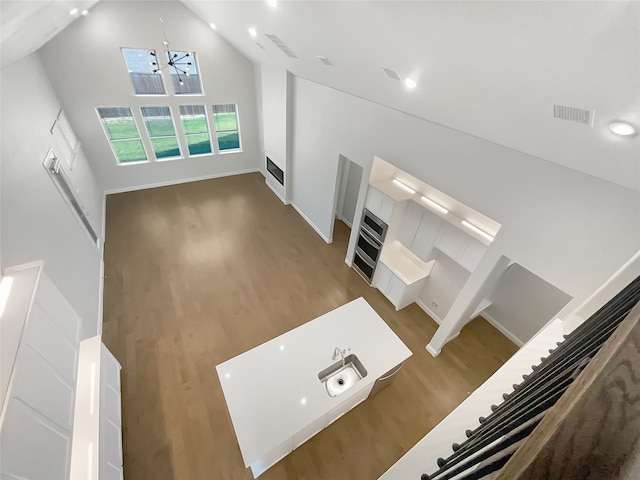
pixel 121 130
pixel 225 118
pixel 184 73
pixel 196 130
pixel 162 132
pixel 143 69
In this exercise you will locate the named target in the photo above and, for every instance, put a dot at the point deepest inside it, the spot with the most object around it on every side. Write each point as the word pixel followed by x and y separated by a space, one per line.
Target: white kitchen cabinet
pixel 272 457
pixel 471 254
pixel 451 241
pixel 428 230
pixel 409 223
pixel 349 404
pixel 309 431
pixel 400 275
pixel 382 277
pixel 380 204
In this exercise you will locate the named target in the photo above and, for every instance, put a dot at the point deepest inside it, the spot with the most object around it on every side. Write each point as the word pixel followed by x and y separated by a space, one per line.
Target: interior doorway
pixel 347 187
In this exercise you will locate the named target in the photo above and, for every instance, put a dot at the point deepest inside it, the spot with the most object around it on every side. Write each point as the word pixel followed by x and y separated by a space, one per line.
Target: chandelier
pixel 176 62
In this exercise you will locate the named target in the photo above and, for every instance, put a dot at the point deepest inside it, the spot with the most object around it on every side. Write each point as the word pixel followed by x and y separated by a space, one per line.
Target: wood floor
pixel 198 273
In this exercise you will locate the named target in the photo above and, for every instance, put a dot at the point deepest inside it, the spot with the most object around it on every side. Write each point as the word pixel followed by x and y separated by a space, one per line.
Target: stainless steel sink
pixel 338 377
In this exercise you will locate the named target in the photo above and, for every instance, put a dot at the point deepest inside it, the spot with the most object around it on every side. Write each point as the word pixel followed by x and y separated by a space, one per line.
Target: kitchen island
pixel 274 395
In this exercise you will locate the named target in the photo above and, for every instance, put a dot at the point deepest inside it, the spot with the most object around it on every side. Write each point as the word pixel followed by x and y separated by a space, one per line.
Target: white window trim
pixel 209 132
pixel 133 86
pixel 106 136
pixel 175 131
pixel 217 146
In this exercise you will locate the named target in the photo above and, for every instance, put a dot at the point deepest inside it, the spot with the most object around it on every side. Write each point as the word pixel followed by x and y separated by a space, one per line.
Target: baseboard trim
pixel 432 351
pixel 322 235
pixel 429 312
pixel 273 189
pixel 179 181
pixel 502 329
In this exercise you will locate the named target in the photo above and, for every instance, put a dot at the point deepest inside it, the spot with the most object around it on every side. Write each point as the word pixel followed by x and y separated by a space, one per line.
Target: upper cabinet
pixel 380 204
pixel 422 231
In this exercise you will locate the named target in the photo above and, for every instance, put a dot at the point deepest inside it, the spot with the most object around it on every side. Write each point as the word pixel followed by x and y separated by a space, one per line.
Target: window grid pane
pixel 184 76
pixel 140 65
pixel 194 124
pixel 227 130
pixel 121 131
pixel 159 124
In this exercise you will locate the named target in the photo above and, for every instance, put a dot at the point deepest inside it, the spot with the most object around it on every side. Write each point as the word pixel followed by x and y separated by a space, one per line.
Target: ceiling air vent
pixel 281 45
pixel 573 114
pixel 391 73
pixel 325 60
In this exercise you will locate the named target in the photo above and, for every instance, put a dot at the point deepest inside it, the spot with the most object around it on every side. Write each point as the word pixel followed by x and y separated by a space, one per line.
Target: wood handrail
pixel 593 431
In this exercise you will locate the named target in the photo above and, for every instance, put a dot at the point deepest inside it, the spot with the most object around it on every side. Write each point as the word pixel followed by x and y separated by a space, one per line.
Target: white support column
pixel 480 284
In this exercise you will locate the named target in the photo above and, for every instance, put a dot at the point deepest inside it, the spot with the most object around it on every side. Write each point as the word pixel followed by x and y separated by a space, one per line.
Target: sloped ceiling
pixel 489 69
pixel 26 25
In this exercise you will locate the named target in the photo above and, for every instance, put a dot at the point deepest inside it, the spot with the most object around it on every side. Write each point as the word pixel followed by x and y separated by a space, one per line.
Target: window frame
pixel 151 138
pixel 110 141
pixel 209 131
pixel 197 66
pixel 228 150
pixel 133 84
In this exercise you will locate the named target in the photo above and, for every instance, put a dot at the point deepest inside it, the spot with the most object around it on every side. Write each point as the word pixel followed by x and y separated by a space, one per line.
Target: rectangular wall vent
pixel 573 114
pixel 391 73
pixel 281 45
pixel 276 171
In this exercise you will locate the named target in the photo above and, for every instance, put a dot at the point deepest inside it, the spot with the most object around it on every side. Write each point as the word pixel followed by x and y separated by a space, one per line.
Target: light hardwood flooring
pixel 198 273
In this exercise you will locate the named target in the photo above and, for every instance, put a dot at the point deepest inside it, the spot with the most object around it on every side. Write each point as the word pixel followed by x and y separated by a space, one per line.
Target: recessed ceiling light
pixel 73 11
pixel 272 3
pixel 85 12
pixel 213 26
pixel 622 128
pixel 410 83
pixel 253 32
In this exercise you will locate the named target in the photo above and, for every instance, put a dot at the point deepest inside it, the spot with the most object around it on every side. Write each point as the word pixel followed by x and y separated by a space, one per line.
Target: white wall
pixel 273 85
pixel 86 68
pixel 36 221
pixel 570 229
pixel 443 285
pixel 523 303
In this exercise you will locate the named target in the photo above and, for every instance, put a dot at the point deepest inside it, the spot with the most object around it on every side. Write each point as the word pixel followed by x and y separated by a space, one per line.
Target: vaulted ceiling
pixel 490 69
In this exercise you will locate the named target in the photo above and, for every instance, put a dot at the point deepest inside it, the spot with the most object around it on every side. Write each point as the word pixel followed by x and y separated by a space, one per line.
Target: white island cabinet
pixel 273 393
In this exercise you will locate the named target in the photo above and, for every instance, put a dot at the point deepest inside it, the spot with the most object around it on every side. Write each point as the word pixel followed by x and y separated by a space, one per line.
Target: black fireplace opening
pixel 276 171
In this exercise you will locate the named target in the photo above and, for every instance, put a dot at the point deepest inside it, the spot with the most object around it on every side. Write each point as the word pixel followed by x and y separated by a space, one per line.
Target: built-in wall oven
pixel 370 239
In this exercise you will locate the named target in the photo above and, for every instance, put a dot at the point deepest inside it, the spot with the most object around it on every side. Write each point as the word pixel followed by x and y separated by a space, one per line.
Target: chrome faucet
pixel 338 352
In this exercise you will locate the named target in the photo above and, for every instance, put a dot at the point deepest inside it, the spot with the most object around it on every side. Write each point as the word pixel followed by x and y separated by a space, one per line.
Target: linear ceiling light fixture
pixel 178 63
pixel 403 186
pixel 434 205
pixel 480 232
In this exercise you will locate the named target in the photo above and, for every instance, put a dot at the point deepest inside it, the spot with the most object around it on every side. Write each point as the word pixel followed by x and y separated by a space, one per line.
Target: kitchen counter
pixel 403 263
pixel 273 391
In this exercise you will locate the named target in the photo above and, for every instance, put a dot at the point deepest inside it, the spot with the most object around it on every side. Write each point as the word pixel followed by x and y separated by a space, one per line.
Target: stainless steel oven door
pixel 364 265
pixel 369 245
pixel 374 225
